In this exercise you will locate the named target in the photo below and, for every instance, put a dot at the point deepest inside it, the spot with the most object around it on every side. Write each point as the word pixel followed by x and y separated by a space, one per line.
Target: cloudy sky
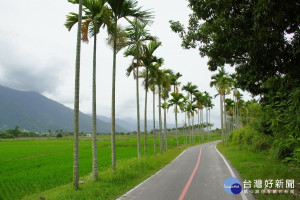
pixel 37 53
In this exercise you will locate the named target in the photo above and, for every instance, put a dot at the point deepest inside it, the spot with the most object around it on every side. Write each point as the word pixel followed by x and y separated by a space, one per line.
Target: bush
pixel 59 135
pixel 261 142
pixel 287 148
pixel 236 136
pixel 6 135
pixel 250 138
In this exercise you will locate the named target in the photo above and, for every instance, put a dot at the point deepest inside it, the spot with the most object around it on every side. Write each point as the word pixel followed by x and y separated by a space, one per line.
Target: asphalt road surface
pixel 197 174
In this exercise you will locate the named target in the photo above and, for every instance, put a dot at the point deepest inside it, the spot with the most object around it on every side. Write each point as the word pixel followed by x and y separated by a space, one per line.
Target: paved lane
pixel 198 173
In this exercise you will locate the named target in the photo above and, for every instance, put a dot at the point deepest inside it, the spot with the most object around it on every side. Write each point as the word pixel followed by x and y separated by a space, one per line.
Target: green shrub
pixel 236 136
pixel 287 148
pixel 6 135
pixel 247 137
pixel 261 142
pixel 59 135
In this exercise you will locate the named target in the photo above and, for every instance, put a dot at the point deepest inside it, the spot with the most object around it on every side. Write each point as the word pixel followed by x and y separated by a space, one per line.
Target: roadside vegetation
pixel 260 154
pixel 254 157
pixel 260 40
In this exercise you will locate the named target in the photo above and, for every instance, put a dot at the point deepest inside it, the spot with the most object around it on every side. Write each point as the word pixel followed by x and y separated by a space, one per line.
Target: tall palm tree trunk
pixel 198 127
pixel 176 126
pixel 138 112
pixel 160 120
pixel 192 121
pixel 185 129
pixel 226 129
pixel 176 120
pixel 190 131
pixel 193 134
pixel 113 104
pixel 154 134
pixel 76 102
pixel 207 122
pixel 165 128
pixel 145 116
pixel 94 115
pixel 234 112
pixel 201 120
pixel 221 109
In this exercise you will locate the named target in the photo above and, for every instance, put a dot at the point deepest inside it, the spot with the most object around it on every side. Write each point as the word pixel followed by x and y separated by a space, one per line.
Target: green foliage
pixel 16 132
pixel 251 35
pixel 281 116
pixel 6 135
pixel 261 165
pixel 58 135
pixel 261 39
pixel 251 139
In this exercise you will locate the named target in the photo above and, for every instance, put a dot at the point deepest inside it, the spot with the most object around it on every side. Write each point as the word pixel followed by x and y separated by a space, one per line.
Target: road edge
pixel 137 186
pixel 234 173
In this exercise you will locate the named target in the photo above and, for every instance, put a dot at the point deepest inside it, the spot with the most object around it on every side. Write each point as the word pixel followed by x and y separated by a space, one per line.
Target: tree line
pixel 146 67
pixel 260 39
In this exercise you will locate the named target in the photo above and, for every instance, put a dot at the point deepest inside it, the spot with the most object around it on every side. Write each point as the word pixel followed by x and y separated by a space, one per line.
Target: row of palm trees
pixel 98 14
pixel 196 102
pixel 141 46
pixel 230 109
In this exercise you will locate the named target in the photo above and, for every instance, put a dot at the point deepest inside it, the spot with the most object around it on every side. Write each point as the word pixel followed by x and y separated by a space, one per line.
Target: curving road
pixel 198 173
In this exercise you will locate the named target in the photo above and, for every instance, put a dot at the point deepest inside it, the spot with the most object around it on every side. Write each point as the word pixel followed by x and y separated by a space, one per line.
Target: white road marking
pixel 231 172
pixel 124 195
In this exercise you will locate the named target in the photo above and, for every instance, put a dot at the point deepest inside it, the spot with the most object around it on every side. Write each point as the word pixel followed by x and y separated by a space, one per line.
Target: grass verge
pixel 261 165
pixel 112 185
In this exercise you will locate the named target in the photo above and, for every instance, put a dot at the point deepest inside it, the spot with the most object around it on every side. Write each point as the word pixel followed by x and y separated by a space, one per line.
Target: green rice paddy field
pixel 32 165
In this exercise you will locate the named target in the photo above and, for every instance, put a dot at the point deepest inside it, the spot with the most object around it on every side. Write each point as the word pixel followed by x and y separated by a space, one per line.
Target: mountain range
pixel 131 125
pixel 34 112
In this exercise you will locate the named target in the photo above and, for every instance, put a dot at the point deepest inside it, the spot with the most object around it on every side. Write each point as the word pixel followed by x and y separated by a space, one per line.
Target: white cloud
pixel 38 53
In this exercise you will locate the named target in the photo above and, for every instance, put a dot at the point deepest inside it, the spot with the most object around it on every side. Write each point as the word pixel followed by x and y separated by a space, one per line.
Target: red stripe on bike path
pixel 184 191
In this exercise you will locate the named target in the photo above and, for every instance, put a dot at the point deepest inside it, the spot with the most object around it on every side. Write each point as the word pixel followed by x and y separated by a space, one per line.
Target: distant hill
pixel 34 112
pixel 130 123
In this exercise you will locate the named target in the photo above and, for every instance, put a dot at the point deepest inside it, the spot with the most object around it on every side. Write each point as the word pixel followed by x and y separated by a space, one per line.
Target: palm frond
pixel 72 19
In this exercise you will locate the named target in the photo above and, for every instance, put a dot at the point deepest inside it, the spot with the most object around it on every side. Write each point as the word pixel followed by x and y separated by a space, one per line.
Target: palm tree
pixel 165 95
pixel 229 107
pixel 193 111
pixel 190 114
pixel 239 101
pixel 152 82
pixel 191 89
pixel 210 106
pixel 199 98
pixel 174 81
pixel 165 106
pixel 137 36
pixel 177 100
pixel 162 81
pixel 222 83
pixel 121 9
pixel 184 109
pixel 96 16
pixel 149 60
pixel 76 101
pixel 207 103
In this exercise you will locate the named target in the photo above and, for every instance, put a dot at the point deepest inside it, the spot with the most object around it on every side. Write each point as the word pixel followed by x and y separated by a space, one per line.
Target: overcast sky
pixel 37 53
